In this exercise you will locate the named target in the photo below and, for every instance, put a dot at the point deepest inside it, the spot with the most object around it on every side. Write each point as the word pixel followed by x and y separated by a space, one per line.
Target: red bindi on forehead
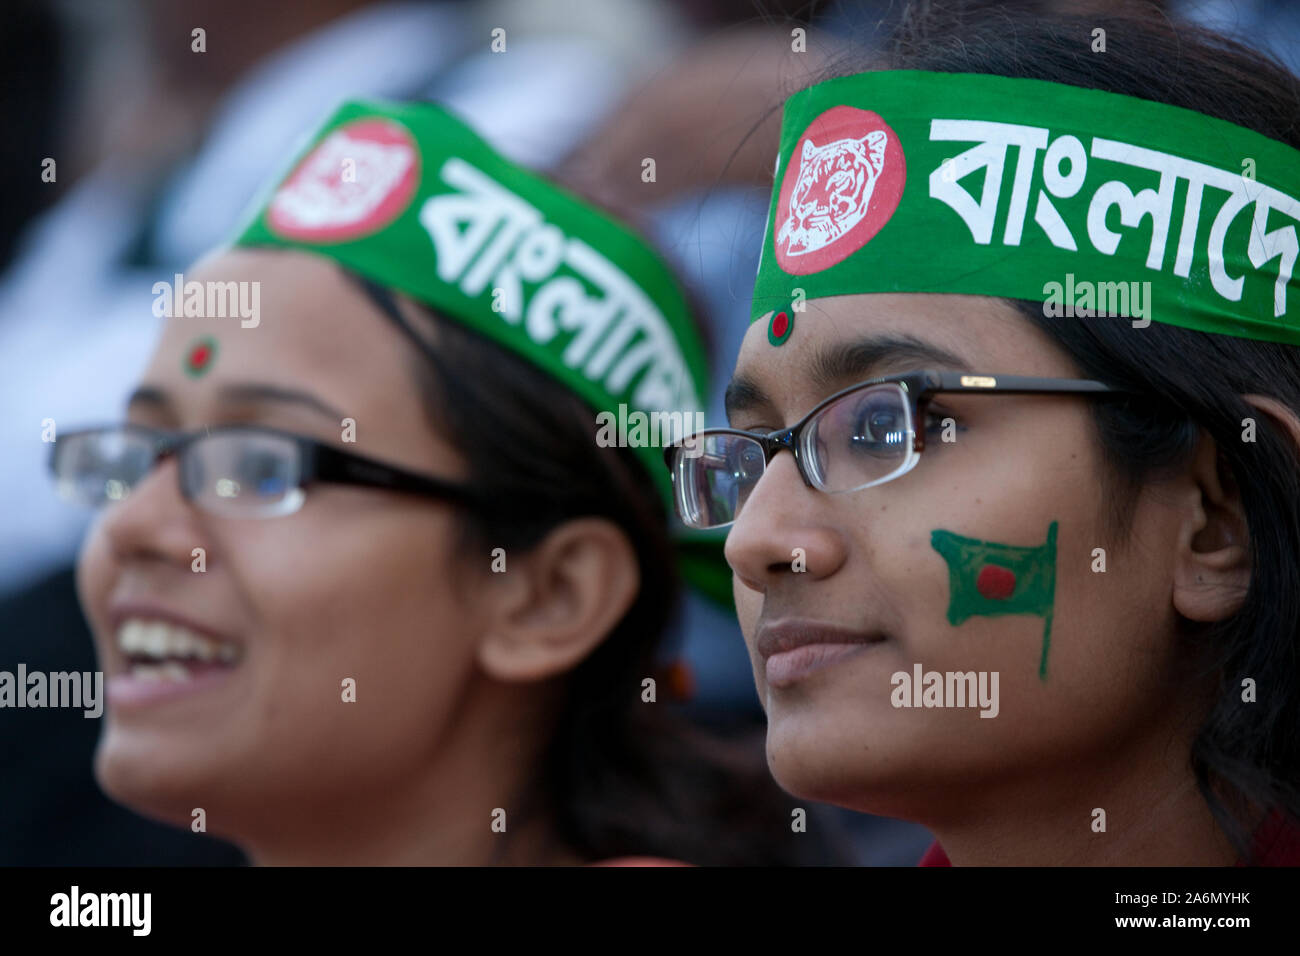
pixel 781 325
pixel 199 357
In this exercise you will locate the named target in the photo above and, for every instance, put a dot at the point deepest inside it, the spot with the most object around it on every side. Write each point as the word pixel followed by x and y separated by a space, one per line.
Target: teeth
pixel 173 671
pixel 169 671
pixel 155 639
pixel 163 641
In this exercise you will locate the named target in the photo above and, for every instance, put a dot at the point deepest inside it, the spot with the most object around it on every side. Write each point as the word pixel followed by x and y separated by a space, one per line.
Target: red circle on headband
pixel 353 183
pixel 842 184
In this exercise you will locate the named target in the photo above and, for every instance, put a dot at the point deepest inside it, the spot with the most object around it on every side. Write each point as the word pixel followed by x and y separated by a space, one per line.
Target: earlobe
pixel 1212 570
pixel 568 593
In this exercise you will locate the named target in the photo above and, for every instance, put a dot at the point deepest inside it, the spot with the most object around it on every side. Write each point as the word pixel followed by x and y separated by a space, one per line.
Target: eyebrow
pixel 241 392
pixel 834 364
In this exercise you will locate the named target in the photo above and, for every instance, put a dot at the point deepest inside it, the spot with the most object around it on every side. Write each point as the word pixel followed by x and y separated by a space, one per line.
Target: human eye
pixel 259 463
pixel 244 461
pixel 745 459
pixel 877 424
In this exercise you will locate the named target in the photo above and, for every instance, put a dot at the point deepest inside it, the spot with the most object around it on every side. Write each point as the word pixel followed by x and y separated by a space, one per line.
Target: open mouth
pixel 164 660
pixel 162 651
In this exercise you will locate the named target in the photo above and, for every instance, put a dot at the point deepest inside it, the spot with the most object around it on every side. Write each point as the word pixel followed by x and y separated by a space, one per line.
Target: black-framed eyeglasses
pixel 244 471
pixel 862 436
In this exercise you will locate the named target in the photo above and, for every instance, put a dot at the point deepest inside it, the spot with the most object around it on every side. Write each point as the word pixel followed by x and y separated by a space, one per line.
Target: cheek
pixel 1113 638
pixel 963 573
pixel 980 586
pixel 364 597
pixel 95 572
pixel 984 540
pixel 749 604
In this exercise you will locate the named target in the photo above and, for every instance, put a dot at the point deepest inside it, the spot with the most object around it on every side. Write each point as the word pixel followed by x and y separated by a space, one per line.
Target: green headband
pixel 410 197
pixel 1088 201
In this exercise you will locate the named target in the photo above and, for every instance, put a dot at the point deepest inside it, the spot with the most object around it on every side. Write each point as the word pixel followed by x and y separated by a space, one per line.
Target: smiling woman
pixel 368 590
pixel 1096 520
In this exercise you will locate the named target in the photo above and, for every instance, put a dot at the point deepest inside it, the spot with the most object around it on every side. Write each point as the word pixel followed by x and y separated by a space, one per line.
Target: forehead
pixel 904 331
pixel 314 330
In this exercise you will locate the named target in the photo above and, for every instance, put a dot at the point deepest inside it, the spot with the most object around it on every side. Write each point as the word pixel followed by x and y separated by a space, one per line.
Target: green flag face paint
pixel 988 579
pixel 908 181
pixel 200 356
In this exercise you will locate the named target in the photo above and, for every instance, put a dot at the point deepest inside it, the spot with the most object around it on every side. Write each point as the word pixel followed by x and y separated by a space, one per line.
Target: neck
pixel 444 813
pixel 1154 815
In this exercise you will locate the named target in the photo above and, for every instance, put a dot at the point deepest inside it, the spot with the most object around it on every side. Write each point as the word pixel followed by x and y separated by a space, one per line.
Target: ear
pixel 1282 415
pixel 556 603
pixel 1212 568
pixel 808 148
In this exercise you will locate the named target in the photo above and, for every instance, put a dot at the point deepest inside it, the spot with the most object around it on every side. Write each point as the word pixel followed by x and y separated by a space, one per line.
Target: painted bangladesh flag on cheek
pixel 988 578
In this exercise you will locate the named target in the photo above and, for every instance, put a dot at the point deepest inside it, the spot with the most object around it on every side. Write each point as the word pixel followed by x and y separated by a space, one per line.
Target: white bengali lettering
pixel 1156 204
pixel 486 235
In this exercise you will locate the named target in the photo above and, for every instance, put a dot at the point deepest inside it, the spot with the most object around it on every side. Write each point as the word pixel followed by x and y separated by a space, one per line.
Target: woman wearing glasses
pixel 367 590
pixel 1013 471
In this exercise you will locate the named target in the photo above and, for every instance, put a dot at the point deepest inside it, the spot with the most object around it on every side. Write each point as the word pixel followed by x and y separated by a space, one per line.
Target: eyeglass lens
pixel 861 439
pixel 235 473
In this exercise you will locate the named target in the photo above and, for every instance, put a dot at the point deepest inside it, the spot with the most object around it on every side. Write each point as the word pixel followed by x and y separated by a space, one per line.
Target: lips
pixel 156 654
pixel 794 650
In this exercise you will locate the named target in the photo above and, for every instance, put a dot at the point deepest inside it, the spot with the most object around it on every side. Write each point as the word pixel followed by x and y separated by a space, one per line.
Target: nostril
pixel 798 563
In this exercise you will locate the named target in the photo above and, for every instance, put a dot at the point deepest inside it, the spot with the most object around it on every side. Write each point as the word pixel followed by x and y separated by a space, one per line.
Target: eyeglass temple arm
pixel 331 464
pixel 965 382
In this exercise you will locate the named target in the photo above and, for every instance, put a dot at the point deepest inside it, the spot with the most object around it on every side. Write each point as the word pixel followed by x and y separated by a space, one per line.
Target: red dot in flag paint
pixel 199 356
pixel 780 324
pixel 995 583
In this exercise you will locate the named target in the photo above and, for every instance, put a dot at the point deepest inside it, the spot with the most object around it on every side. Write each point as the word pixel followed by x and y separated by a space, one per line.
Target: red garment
pixel 1276 844
pixel 935 856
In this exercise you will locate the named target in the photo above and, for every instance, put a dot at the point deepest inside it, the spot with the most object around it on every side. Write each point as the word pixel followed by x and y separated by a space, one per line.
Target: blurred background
pixel 133 145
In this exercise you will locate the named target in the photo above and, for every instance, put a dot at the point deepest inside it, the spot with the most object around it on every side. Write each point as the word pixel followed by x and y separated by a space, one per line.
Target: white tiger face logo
pixel 832 192
pixel 352 183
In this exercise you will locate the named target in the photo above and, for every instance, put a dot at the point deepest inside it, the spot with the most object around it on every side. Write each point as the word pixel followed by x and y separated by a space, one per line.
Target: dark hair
pixel 620 776
pixel 1246 757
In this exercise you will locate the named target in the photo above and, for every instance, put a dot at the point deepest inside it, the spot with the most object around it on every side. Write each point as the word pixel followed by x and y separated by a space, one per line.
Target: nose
pixel 153 521
pixel 784 529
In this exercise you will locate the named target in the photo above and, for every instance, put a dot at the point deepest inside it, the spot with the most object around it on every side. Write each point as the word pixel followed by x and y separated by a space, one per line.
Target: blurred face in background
pixel 359 585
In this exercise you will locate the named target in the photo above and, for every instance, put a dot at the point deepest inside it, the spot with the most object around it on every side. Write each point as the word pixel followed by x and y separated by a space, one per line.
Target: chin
pixel 145 780
pixel 811 767
pixel 863 771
